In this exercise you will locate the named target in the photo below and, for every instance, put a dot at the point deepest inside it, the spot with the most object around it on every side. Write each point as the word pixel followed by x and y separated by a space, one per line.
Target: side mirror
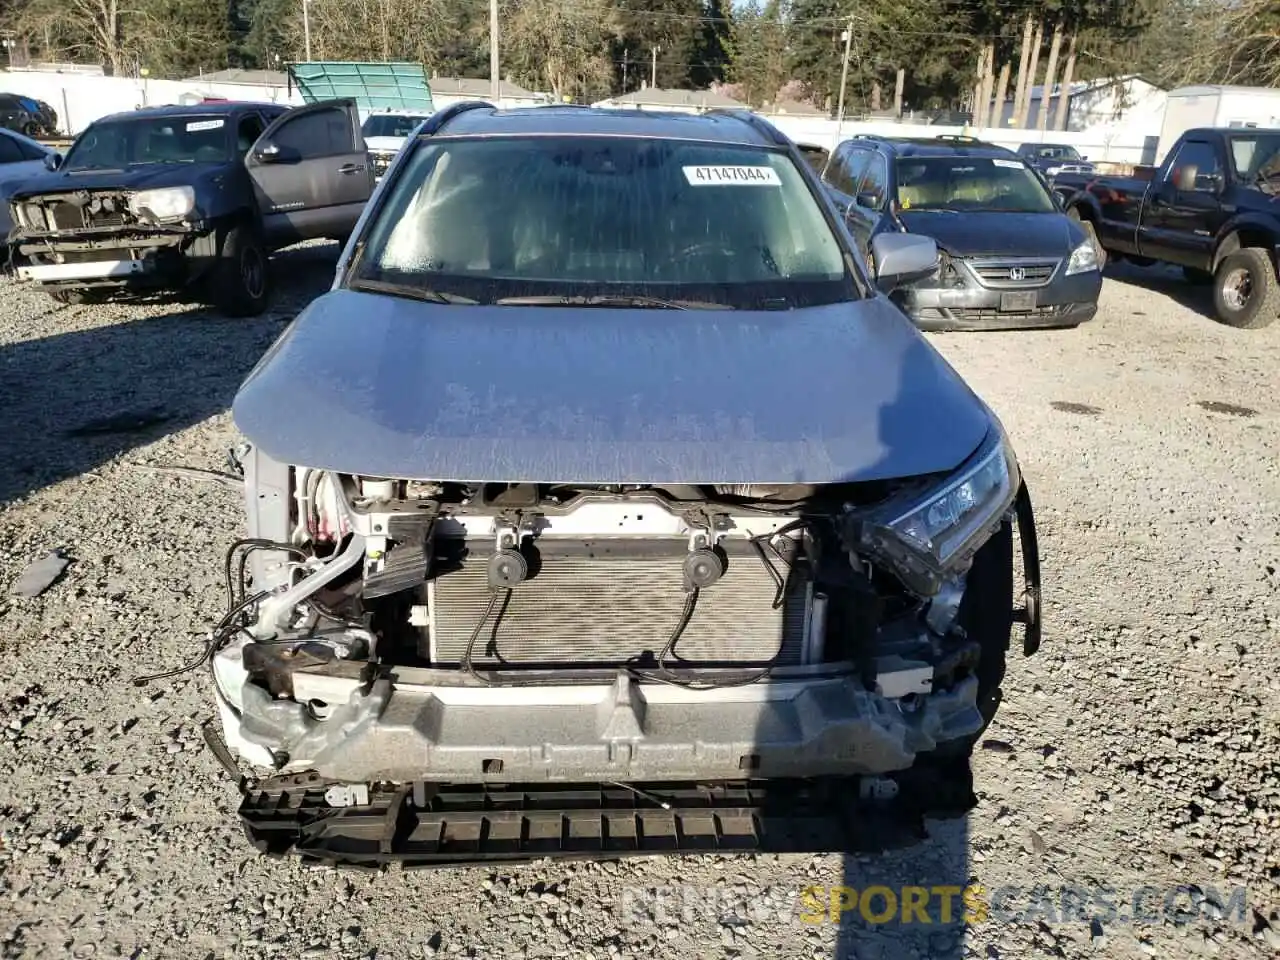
pixel 52 161
pixel 902 259
pixel 274 153
pixel 870 201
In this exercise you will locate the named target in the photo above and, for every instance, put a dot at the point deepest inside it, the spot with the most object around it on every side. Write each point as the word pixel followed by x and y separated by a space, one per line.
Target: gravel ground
pixel 1139 749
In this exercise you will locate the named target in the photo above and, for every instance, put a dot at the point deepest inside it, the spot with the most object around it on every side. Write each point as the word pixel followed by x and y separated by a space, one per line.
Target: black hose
pixel 216 639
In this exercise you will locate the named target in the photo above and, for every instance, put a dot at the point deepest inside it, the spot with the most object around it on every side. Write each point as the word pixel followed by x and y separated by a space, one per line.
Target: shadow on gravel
pixel 75 400
pixel 1166 280
pixel 903 873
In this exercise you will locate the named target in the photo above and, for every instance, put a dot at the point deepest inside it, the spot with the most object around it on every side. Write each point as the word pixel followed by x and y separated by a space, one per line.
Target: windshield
pixel 391 125
pixel 659 220
pixel 971 183
pixel 121 143
pixel 1256 160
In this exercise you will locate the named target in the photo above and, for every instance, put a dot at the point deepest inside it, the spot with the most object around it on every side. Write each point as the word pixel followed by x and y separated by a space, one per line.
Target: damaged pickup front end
pixel 440 671
pixel 105 239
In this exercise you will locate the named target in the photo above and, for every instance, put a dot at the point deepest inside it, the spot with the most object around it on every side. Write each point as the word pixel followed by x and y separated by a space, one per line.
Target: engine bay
pixel 516 582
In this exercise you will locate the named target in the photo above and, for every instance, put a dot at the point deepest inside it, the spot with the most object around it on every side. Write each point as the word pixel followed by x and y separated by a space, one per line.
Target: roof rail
pixel 755 120
pixel 958 138
pixel 441 117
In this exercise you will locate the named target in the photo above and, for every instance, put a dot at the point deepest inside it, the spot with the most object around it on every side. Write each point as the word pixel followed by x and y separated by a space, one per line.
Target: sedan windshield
pixel 391 124
pixel 589 221
pixel 121 143
pixel 971 183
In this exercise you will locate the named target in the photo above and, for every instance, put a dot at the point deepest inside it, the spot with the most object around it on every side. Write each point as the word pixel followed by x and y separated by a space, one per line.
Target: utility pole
pixel 495 77
pixel 844 77
pixel 653 69
pixel 897 91
pixel 1068 74
pixel 306 26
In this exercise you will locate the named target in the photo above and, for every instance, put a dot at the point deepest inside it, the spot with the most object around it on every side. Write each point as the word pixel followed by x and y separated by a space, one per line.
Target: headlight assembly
pixel 1083 259
pixel 929 536
pixel 165 203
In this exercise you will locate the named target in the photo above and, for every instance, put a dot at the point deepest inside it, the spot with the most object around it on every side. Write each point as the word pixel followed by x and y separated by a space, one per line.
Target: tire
pixel 237 282
pixel 1246 292
pixel 31 129
pixel 1201 278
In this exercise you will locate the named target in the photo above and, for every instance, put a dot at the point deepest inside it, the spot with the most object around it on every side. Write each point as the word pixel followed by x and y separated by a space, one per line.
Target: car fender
pixel 1249 229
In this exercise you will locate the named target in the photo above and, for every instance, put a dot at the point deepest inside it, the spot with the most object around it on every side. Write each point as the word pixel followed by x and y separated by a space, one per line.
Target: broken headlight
pixel 165 203
pixel 926 537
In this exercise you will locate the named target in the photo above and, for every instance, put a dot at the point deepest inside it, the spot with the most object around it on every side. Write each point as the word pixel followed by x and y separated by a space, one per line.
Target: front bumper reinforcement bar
pixel 431 825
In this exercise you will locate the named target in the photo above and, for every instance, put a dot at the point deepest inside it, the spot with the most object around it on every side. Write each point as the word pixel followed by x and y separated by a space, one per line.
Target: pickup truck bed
pixel 1212 207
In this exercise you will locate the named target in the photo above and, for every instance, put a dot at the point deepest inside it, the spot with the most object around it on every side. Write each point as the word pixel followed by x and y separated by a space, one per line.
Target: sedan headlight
pixel 165 203
pixel 932 535
pixel 1083 259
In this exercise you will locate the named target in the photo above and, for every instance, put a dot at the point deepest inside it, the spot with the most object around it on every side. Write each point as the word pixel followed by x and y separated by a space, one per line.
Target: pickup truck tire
pixel 1246 293
pixel 237 283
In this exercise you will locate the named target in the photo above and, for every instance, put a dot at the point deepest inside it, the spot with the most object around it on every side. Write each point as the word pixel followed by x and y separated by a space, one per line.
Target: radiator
pixel 618 602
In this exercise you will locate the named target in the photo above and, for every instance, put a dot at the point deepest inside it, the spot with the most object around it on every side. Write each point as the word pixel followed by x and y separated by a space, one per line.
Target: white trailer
pixel 1217 106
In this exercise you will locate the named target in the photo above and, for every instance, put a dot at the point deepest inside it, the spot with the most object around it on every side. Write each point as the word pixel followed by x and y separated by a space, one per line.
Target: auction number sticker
pixel 1011 164
pixel 753 176
pixel 197 125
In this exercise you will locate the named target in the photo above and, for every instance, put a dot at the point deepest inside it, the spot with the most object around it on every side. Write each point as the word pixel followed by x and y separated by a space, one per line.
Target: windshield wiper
pixel 411 292
pixel 656 303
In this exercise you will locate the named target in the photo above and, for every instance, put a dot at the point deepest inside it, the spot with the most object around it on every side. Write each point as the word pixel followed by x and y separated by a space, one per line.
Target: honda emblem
pixel 1017 273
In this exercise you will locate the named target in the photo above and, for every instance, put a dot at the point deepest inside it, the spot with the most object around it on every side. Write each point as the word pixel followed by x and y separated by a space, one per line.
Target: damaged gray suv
pixel 606 505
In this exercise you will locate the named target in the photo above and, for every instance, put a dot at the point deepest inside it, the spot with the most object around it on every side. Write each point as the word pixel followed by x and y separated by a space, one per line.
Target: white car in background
pixel 385 132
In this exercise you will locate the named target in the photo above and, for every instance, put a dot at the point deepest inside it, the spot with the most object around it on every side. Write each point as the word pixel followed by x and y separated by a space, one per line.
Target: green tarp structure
pixel 372 86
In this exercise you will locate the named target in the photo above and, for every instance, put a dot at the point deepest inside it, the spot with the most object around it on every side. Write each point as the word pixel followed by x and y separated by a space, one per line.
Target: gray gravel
pixel 1140 748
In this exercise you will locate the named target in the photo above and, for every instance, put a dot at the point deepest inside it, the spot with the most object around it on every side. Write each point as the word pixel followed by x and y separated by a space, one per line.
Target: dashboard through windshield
pixel 593 219
pixel 121 143
pixel 971 183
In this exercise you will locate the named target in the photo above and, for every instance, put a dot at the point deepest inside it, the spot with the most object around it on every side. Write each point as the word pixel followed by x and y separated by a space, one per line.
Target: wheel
pixel 1200 278
pixel 1246 292
pixel 31 129
pixel 237 282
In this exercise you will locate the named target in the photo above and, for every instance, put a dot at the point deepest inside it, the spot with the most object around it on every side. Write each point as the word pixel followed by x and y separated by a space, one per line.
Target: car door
pixel 311 173
pixel 869 201
pixel 842 174
pixel 1183 209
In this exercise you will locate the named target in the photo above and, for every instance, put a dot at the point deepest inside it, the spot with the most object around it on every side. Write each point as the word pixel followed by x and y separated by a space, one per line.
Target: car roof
pixel 21 138
pixel 935 147
pixel 220 109
pixel 717 127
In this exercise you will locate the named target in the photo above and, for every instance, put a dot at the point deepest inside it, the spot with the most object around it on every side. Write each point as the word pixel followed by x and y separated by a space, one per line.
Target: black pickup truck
pixel 190 198
pixel 1212 208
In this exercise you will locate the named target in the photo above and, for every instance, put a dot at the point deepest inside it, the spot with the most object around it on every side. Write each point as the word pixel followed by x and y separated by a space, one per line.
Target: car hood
pixel 384 144
pixel 142 177
pixel 991 233
pixel 368 384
